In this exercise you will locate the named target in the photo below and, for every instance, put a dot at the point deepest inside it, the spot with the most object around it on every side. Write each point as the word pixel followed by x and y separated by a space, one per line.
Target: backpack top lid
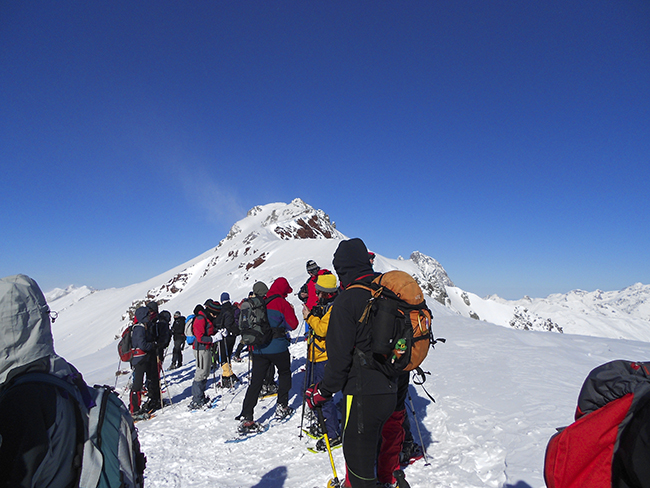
pixel 403 285
pixel 25 332
pixel 611 381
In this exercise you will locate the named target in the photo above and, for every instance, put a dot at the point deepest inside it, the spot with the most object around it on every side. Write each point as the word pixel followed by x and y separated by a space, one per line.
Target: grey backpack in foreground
pixel 111 450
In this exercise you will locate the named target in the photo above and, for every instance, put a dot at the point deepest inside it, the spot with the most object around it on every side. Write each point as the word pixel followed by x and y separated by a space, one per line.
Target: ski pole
pixel 117 372
pixel 295 339
pixel 417 424
pixel 304 386
pixel 162 370
pixel 334 482
pixel 219 367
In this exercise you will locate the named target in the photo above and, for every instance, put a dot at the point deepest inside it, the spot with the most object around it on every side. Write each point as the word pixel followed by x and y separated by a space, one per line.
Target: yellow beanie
pixel 326 283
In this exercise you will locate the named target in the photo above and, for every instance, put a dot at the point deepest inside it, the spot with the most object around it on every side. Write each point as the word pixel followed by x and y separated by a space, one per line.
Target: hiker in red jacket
pixel 282 318
pixel 206 336
pixel 308 293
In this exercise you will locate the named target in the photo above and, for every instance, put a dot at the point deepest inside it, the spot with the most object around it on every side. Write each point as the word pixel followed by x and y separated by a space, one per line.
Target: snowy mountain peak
pixel 296 220
pixel 247 249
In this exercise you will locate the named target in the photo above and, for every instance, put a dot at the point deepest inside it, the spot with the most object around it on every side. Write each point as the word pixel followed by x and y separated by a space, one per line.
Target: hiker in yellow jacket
pixel 318 319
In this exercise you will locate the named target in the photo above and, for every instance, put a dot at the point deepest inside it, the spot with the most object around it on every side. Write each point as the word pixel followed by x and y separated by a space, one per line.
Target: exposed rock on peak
pixel 434 277
pixel 301 221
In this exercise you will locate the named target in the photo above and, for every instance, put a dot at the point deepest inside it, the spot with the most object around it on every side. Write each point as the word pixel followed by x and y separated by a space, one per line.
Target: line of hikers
pixel 377 439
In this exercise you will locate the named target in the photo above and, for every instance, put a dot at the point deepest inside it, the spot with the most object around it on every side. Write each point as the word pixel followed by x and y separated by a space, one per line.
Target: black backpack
pixel 254 325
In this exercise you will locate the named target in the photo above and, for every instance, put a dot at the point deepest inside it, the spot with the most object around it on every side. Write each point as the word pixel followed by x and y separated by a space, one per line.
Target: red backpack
pixel 603 448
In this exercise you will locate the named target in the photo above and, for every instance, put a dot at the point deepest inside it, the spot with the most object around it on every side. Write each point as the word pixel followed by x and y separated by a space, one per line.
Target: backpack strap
pixel 268 300
pixel 277 331
pixel 375 291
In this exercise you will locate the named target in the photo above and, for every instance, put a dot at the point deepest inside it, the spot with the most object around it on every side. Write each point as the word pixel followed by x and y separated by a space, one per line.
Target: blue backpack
pixel 189 331
pixel 110 446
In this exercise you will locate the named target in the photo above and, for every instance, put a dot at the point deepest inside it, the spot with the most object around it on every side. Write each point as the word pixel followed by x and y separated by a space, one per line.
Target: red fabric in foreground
pixel 581 455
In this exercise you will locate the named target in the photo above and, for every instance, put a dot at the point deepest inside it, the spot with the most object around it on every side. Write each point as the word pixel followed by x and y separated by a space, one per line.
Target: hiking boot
pixel 283 411
pixel 272 388
pixel 334 443
pixel 247 426
pixel 316 431
pixel 228 381
pixel 151 405
pixel 268 389
pixel 199 404
pixel 410 452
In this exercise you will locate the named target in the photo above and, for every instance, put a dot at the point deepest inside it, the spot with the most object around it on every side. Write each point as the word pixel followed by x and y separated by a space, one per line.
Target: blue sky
pixel 509 140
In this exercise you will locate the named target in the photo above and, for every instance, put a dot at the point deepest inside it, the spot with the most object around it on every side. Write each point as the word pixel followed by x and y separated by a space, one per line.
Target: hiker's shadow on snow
pixel 177 376
pixel 274 478
pixel 519 484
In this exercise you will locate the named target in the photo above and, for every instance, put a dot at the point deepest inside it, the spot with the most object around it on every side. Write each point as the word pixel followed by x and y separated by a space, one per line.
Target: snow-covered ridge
pixel 621 314
pixel 68 296
pixel 278 238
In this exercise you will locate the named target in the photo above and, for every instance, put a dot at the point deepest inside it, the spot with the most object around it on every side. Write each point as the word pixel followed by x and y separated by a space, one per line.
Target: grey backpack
pixel 254 325
pixel 111 451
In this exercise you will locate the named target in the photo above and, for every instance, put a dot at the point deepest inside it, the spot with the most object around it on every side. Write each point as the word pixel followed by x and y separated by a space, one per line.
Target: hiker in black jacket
pixel 178 334
pixel 370 395
pixel 144 361
pixel 226 323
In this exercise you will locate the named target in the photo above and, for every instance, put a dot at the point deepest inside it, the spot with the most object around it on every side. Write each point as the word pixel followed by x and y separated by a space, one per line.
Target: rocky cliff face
pixel 433 277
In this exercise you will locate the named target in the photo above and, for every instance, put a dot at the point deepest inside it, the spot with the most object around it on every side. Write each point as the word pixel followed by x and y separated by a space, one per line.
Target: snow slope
pixel 500 393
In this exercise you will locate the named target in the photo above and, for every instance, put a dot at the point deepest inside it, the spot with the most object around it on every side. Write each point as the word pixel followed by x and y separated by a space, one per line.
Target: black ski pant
pixel 177 352
pixel 147 365
pixel 261 365
pixel 365 418
pixel 240 348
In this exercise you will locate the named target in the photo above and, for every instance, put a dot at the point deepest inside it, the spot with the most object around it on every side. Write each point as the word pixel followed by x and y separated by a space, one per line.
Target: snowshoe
pixel 199 404
pixel 247 427
pixel 335 443
pixel 141 415
pixel 283 411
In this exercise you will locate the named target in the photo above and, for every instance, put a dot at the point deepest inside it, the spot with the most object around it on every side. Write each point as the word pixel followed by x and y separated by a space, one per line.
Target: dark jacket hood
pixel 351 261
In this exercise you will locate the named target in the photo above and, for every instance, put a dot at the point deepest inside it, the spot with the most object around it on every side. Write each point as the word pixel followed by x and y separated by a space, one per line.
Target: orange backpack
pixel 400 323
